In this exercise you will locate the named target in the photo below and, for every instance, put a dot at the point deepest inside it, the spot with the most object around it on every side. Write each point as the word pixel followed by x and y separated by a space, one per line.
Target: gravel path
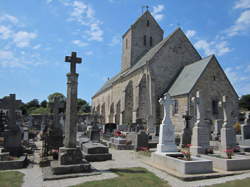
pixel 121 159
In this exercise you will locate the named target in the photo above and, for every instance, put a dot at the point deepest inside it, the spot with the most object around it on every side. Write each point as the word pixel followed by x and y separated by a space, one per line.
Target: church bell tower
pixel 144 34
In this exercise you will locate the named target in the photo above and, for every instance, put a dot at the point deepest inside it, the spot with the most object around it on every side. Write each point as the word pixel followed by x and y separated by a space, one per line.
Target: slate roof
pixel 141 62
pixel 189 76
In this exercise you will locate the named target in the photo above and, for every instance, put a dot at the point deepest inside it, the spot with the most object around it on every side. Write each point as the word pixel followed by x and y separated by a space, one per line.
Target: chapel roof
pixel 141 62
pixel 189 76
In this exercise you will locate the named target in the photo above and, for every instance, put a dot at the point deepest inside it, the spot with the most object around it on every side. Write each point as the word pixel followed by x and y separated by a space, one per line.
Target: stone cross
pixel 166 102
pixel 73 60
pixel 187 117
pixel 11 104
pixel 71 102
pixel 247 119
pixel 226 111
pixel 199 110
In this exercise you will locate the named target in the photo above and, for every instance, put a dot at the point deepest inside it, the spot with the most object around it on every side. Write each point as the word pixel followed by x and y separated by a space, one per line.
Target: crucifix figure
pixel 187 117
pixel 199 110
pixel 73 60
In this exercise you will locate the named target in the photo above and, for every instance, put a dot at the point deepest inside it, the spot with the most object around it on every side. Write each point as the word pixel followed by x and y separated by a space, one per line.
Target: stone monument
pixel 167 136
pixel 70 157
pixel 200 135
pixel 228 137
pixel 13 135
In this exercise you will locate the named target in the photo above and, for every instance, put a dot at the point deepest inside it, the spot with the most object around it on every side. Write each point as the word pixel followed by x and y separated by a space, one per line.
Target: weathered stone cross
pixel 73 60
pixel 10 103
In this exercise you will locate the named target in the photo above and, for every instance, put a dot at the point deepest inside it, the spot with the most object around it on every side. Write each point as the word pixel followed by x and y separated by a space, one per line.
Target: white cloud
pixel 219 48
pixel 4 54
pixel 242 4
pixel 88 53
pixel 37 46
pixel 190 33
pixel 242 24
pixel 8 18
pixel 79 43
pixel 157 12
pixel 84 14
pixel 5 32
pixel 235 76
pixel 115 40
pixel 23 38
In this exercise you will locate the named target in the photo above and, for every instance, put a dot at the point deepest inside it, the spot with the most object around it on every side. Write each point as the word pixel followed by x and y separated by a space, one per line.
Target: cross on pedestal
pixel 10 103
pixel 73 60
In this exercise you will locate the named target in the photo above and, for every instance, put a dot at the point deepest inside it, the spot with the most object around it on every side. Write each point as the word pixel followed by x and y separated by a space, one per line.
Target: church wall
pixel 167 64
pixel 178 112
pixel 214 84
pixel 126 50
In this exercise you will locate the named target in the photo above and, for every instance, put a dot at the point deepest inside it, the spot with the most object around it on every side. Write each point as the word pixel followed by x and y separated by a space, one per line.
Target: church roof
pixel 189 76
pixel 142 61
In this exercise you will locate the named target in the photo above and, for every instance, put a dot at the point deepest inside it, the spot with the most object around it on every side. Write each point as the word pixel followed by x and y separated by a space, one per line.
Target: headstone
pixel 245 131
pixel 217 127
pixel 228 138
pixel 94 134
pixel 167 136
pixel 13 136
pixel 70 157
pixel 186 132
pixel 200 135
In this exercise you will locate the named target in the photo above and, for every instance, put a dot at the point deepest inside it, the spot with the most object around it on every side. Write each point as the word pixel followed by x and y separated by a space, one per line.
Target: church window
pixel 145 40
pixel 214 78
pixel 215 107
pixel 151 41
pixel 126 43
pixel 176 107
pixel 147 23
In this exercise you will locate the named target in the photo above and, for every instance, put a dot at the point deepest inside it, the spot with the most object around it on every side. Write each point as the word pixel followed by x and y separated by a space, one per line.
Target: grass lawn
pixel 236 183
pixel 11 179
pixel 129 177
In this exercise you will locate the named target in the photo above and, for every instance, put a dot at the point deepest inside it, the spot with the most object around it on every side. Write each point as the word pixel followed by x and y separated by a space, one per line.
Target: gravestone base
pixel 12 143
pixel 95 152
pixel 70 161
pixel 162 148
pixel 200 140
pixel 228 139
pixel 55 139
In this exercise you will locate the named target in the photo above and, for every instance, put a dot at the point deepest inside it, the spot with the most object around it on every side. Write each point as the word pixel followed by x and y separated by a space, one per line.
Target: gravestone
pixel 138 140
pixel 167 136
pixel 186 132
pixel 70 157
pixel 200 135
pixel 12 135
pixel 55 134
pixel 94 133
pixel 217 128
pixel 245 134
pixel 228 138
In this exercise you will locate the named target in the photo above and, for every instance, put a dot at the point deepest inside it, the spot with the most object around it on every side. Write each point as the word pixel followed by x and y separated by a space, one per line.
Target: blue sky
pixel 35 36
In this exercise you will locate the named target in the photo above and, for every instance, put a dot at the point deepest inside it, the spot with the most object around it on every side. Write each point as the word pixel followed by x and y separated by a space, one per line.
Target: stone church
pixel 152 66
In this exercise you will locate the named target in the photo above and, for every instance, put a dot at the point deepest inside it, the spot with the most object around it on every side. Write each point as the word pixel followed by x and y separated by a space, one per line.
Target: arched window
pixel 145 40
pixel 126 43
pixel 147 23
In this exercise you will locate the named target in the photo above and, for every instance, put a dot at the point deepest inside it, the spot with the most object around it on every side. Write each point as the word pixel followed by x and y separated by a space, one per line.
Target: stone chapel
pixel 152 65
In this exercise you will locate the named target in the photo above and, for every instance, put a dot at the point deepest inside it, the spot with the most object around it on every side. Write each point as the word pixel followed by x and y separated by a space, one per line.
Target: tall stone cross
pixel 71 103
pixel 73 60
pixel 166 102
pixel 199 110
pixel 11 104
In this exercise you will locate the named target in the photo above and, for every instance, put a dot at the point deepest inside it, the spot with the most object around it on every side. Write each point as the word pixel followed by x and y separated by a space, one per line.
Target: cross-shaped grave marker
pixel 73 60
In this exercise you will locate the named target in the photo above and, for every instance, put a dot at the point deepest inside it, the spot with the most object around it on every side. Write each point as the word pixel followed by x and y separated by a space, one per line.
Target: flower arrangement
pixel 186 152
pixel 209 150
pixel 229 153
pixel 118 133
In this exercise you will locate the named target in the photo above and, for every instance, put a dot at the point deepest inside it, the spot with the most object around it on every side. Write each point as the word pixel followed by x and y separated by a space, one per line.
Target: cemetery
pixel 169 118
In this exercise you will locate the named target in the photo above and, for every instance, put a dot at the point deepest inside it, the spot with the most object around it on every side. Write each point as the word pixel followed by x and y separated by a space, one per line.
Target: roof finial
pixel 143 7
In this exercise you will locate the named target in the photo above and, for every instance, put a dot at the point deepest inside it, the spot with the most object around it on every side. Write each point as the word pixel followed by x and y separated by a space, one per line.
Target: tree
pixel 244 102
pixel 33 104
pixel 44 104
pixel 51 97
pixel 83 106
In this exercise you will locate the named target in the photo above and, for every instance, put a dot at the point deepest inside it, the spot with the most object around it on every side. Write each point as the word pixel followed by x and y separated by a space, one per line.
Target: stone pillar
pixel 200 135
pixel 167 136
pixel 71 111
pixel 228 137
